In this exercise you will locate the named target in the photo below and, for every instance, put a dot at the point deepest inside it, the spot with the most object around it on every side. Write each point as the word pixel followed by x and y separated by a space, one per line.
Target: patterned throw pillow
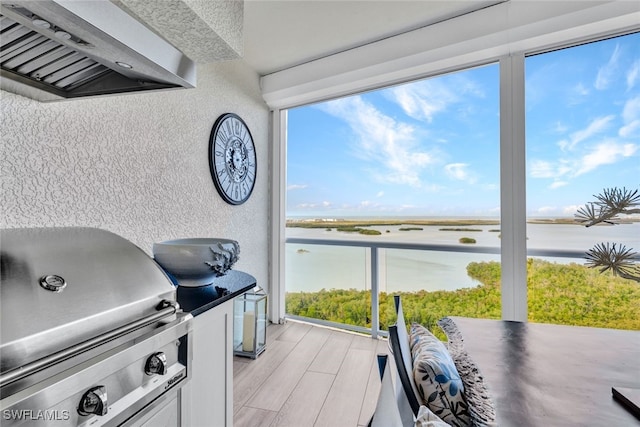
pixel 426 418
pixel 436 377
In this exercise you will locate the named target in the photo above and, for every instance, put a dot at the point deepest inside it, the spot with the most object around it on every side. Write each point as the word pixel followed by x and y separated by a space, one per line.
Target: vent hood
pixel 60 49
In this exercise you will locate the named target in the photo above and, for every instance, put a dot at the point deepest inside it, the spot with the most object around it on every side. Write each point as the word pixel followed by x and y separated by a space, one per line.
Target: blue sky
pixel 431 147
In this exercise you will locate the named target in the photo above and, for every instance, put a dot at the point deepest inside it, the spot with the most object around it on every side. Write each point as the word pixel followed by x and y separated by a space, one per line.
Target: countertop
pixel 197 300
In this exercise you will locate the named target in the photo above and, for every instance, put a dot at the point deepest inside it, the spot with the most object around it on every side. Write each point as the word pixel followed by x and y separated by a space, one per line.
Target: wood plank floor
pixel 308 376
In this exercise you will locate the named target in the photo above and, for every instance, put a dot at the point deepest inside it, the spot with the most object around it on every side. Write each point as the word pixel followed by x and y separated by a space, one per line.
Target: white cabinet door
pixel 211 393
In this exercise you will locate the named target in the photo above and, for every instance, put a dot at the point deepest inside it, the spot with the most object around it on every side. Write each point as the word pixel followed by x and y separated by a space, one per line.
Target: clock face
pixel 232 159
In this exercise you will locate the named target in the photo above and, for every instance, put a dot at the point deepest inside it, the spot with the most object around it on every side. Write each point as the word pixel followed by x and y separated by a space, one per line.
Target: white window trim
pixel 512 29
pixel 474 39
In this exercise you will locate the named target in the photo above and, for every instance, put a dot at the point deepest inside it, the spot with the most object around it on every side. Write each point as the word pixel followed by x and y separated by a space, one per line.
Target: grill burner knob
pixel 94 401
pixel 156 364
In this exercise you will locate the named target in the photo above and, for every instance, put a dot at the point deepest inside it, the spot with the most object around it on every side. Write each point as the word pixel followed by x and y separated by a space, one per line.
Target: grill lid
pixel 63 286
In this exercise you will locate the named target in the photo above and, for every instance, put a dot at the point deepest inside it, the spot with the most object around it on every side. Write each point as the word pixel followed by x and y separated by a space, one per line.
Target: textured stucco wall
pixel 204 30
pixel 136 164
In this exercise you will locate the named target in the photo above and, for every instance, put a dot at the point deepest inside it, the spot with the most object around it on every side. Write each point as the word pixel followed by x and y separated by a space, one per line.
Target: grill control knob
pixel 94 401
pixel 156 364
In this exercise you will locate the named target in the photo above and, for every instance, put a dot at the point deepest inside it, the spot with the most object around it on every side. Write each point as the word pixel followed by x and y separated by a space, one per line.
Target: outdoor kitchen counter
pixel 209 395
pixel 198 300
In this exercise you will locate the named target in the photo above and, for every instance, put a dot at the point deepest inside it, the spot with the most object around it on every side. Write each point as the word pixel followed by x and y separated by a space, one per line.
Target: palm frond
pixel 617 258
pixel 618 200
pixel 608 206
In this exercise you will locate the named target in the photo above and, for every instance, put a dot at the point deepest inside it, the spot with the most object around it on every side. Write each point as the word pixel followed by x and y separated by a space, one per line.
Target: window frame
pixel 315 82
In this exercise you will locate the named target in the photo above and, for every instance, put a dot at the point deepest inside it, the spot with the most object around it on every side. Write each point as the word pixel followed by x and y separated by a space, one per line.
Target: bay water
pixel 310 268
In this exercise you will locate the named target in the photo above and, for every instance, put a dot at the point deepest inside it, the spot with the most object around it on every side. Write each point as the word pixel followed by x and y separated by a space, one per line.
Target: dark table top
pixel 554 375
pixel 197 300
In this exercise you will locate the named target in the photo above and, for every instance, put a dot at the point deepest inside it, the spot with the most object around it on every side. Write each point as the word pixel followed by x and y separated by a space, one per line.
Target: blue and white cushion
pixel 437 378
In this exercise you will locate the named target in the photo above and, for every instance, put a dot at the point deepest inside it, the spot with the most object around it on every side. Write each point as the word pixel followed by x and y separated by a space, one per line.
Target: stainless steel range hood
pixel 59 49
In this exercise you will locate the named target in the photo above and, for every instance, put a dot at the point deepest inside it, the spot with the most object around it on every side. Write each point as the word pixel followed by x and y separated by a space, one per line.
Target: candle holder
pixel 250 324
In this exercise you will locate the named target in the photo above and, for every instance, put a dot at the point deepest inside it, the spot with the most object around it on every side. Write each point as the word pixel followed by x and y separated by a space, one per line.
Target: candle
pixel 248 331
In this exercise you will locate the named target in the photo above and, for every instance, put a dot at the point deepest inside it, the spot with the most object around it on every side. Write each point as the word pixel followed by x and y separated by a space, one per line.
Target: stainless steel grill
pixel 91 333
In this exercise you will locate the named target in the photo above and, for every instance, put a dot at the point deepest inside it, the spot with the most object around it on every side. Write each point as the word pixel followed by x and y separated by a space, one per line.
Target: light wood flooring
pixel 308 376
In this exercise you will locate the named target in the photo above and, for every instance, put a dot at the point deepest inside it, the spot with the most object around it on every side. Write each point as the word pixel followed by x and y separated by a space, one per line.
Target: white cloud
pixel 606 72
pixel 631 118
pixel 557 211
pixel 380 194
pixel 630 129
pixel 608 151
pixel 631 110
pixel 296 187
pixel 585 157
pixel 597 126
pixel 580 89
pixel 605 153
pixel 570 210
pixel 422 100
pixel 541 169
pixel 308 206
pixel 557 184
pixel 545 169
pixel 633 75
pixel 381 139
pixel 560 127
pixel 460 172
pixel 546 210
pixel 433 188
pixel 368 205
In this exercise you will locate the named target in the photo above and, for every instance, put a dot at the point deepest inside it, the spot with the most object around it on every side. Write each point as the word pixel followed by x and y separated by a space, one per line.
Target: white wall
pixel 136 164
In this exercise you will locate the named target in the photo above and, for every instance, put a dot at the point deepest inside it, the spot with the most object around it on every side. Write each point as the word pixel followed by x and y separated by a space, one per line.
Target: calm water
pixel 314 267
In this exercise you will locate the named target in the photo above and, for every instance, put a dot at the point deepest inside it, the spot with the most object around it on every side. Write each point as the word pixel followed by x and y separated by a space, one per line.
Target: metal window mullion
pixel 375 308
pixel 278 215
pixel 513 252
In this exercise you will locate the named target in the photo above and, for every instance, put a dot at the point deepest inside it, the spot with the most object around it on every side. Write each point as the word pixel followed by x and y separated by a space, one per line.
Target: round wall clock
pixel 232 159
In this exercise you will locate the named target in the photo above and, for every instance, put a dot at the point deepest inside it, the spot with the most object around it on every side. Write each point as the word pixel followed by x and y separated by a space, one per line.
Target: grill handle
pixel 166 308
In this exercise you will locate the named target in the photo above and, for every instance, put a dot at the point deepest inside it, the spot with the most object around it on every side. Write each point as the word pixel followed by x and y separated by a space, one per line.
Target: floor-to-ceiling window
pixel 515 33
pixel 411 174
pixel 583 140
pixel 405 168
